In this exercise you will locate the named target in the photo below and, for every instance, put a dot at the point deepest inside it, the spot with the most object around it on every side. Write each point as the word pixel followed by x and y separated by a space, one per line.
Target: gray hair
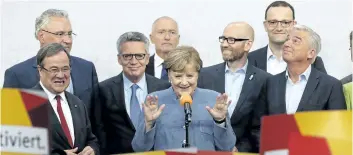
pixel 132 36
pixel 50 50
pixel 44 18
pixel 314 38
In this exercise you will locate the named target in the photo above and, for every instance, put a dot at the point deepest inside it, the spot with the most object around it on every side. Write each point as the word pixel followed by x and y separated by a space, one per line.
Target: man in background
pixel 279 20
pixel 165 37
pixel 53 26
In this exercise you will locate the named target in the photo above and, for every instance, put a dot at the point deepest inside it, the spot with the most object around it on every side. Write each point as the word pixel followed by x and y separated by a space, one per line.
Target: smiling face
pixel 55 72
pixel 184 81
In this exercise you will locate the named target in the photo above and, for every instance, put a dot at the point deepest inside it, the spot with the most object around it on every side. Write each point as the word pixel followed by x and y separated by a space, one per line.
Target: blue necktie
pixel 164 75
pixel 135 110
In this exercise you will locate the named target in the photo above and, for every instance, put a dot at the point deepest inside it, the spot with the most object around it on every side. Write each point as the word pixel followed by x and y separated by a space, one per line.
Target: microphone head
pixel 185 98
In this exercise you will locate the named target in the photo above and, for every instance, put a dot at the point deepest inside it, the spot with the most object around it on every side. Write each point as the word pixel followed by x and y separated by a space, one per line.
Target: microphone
pixel 186 101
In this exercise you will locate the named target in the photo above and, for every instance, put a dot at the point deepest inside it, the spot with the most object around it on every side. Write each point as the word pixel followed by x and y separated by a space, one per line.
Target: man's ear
pixel 152 39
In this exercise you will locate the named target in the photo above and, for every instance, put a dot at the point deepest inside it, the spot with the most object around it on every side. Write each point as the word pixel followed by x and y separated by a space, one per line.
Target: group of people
pixel 138 110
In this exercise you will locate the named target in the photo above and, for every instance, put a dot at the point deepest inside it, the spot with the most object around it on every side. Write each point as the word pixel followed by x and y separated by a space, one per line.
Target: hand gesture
pixel 71 152
pixel 151 110
pixel 220 109
pixel 87 151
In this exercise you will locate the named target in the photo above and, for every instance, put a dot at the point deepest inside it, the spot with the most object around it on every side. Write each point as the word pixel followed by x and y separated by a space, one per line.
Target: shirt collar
pixel 304 76
pixel 128 83
pixel 157 60
pixel 50 95
pixel 240 70
pixel 270 53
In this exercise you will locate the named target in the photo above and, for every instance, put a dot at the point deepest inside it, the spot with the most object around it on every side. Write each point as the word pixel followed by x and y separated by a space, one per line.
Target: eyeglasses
pixel 138 56
pixel 284 23
pixel 55 71
pixel 61 34
pixel 230 40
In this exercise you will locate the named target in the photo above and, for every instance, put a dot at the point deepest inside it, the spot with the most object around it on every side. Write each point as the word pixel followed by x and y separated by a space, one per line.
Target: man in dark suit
pixel 53 26
pixel 70 125
pixel 279 20
pixel 117 106
pixel 237 78
pixel 301 87
pixel 165 36
pixel 348 78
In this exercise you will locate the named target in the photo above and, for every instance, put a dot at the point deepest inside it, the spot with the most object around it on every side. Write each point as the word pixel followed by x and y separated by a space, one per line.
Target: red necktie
pixel 64 125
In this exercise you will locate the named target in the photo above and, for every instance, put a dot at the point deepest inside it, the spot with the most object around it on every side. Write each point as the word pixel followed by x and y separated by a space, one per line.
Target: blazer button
pixel 184 127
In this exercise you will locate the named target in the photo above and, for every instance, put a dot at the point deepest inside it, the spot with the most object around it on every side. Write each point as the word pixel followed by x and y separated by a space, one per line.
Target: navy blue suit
pixel 25 75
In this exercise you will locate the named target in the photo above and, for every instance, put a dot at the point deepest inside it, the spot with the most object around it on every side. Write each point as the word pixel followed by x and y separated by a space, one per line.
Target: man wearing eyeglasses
pixel 117 101
pixel 165 36
pixel 279 20
pixel 71 129
pixel 53 26
pixel 237 78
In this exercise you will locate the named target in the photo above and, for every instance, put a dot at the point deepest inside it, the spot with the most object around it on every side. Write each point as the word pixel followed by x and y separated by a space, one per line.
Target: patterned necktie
pixel 164 75
pixel 135 110
pixel 64 125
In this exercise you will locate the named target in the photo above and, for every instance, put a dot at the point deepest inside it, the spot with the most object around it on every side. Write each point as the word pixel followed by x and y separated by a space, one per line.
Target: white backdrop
pixel 99 24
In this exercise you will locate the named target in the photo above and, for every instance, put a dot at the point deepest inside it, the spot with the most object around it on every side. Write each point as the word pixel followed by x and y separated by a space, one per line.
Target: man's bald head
pixel 240 30
pixel 162 20
pixel 165 35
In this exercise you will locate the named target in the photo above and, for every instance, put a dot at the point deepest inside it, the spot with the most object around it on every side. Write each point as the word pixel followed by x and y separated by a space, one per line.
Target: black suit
pixel 113 126
pixel 322 92
pixel 150 66
pixel 258 58
pixel 213 78
pixel 82 127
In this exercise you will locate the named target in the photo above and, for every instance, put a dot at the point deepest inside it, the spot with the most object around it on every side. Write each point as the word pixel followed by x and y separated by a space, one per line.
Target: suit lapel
pixel 150 66
pixel 248 85
pixel 75 117
pixel 310 87
pixel 262 63
pixel 56 126
pixel 219 84
pixel 75 75
pixel 119 94
pixel 282 81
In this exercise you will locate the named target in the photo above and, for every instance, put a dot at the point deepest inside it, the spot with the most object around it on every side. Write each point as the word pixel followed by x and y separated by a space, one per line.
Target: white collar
pixel 50 95
pixel 158 61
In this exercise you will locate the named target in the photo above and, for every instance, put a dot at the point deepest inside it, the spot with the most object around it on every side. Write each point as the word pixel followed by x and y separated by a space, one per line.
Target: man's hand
pixel 87 151
pixel 71 152
pixel 235 149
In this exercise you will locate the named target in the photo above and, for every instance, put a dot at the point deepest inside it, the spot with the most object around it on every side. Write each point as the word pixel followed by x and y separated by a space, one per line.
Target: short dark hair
pixel 279 4
pixel 50 50
pixel 350 39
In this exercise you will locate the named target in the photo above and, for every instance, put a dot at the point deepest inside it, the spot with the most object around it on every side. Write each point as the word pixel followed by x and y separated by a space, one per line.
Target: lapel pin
pixel 251 76
pixel 75 105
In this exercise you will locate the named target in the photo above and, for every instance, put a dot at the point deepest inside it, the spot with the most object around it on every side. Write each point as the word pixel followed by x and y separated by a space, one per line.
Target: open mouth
pixel 59 82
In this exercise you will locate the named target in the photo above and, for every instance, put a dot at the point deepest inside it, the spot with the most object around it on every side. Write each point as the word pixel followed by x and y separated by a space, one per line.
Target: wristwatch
pixel 220 122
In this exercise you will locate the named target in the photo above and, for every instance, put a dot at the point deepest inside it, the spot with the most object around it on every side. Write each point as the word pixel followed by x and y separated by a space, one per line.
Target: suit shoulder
pixel 256 52
pixel 212 68
pixel 81 60
pixel 262 73
pixel 328 78
pixel 108 82
pixel 23 66
pixel 156 81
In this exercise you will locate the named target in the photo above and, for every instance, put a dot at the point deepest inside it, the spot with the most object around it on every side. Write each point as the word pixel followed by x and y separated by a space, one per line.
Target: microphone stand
pixel 186 143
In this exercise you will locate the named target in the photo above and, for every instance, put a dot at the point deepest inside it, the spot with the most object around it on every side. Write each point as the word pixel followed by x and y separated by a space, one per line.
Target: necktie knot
pixel 134 87
pixel 57 97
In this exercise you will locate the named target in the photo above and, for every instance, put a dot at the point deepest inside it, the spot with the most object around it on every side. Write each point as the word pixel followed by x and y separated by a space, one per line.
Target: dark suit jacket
pixel 112 125
pixel 25 75
pixel 82 127
pixel 322 92
pixel 150 66
pixel 347 79
pixel 213 78
pixel 258 58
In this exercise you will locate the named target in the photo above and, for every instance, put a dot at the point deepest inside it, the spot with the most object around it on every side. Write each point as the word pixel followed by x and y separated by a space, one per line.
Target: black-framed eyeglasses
pixel 61 34
pixel 230 40
pixel 138 56
pixel 55 71
pixel 284 23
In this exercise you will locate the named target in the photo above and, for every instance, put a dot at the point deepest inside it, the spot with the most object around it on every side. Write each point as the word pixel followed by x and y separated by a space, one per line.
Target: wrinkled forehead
pixel 236 32
pixel 301 34
pixel 165 24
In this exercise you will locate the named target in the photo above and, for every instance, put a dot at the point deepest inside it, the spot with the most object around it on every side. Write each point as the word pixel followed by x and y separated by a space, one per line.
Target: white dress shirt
pixel 233 85
pixel 65 107
pixel 294 91
pixel 141 92
pixel 70 88
pixel 274 66
pixel 158 66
